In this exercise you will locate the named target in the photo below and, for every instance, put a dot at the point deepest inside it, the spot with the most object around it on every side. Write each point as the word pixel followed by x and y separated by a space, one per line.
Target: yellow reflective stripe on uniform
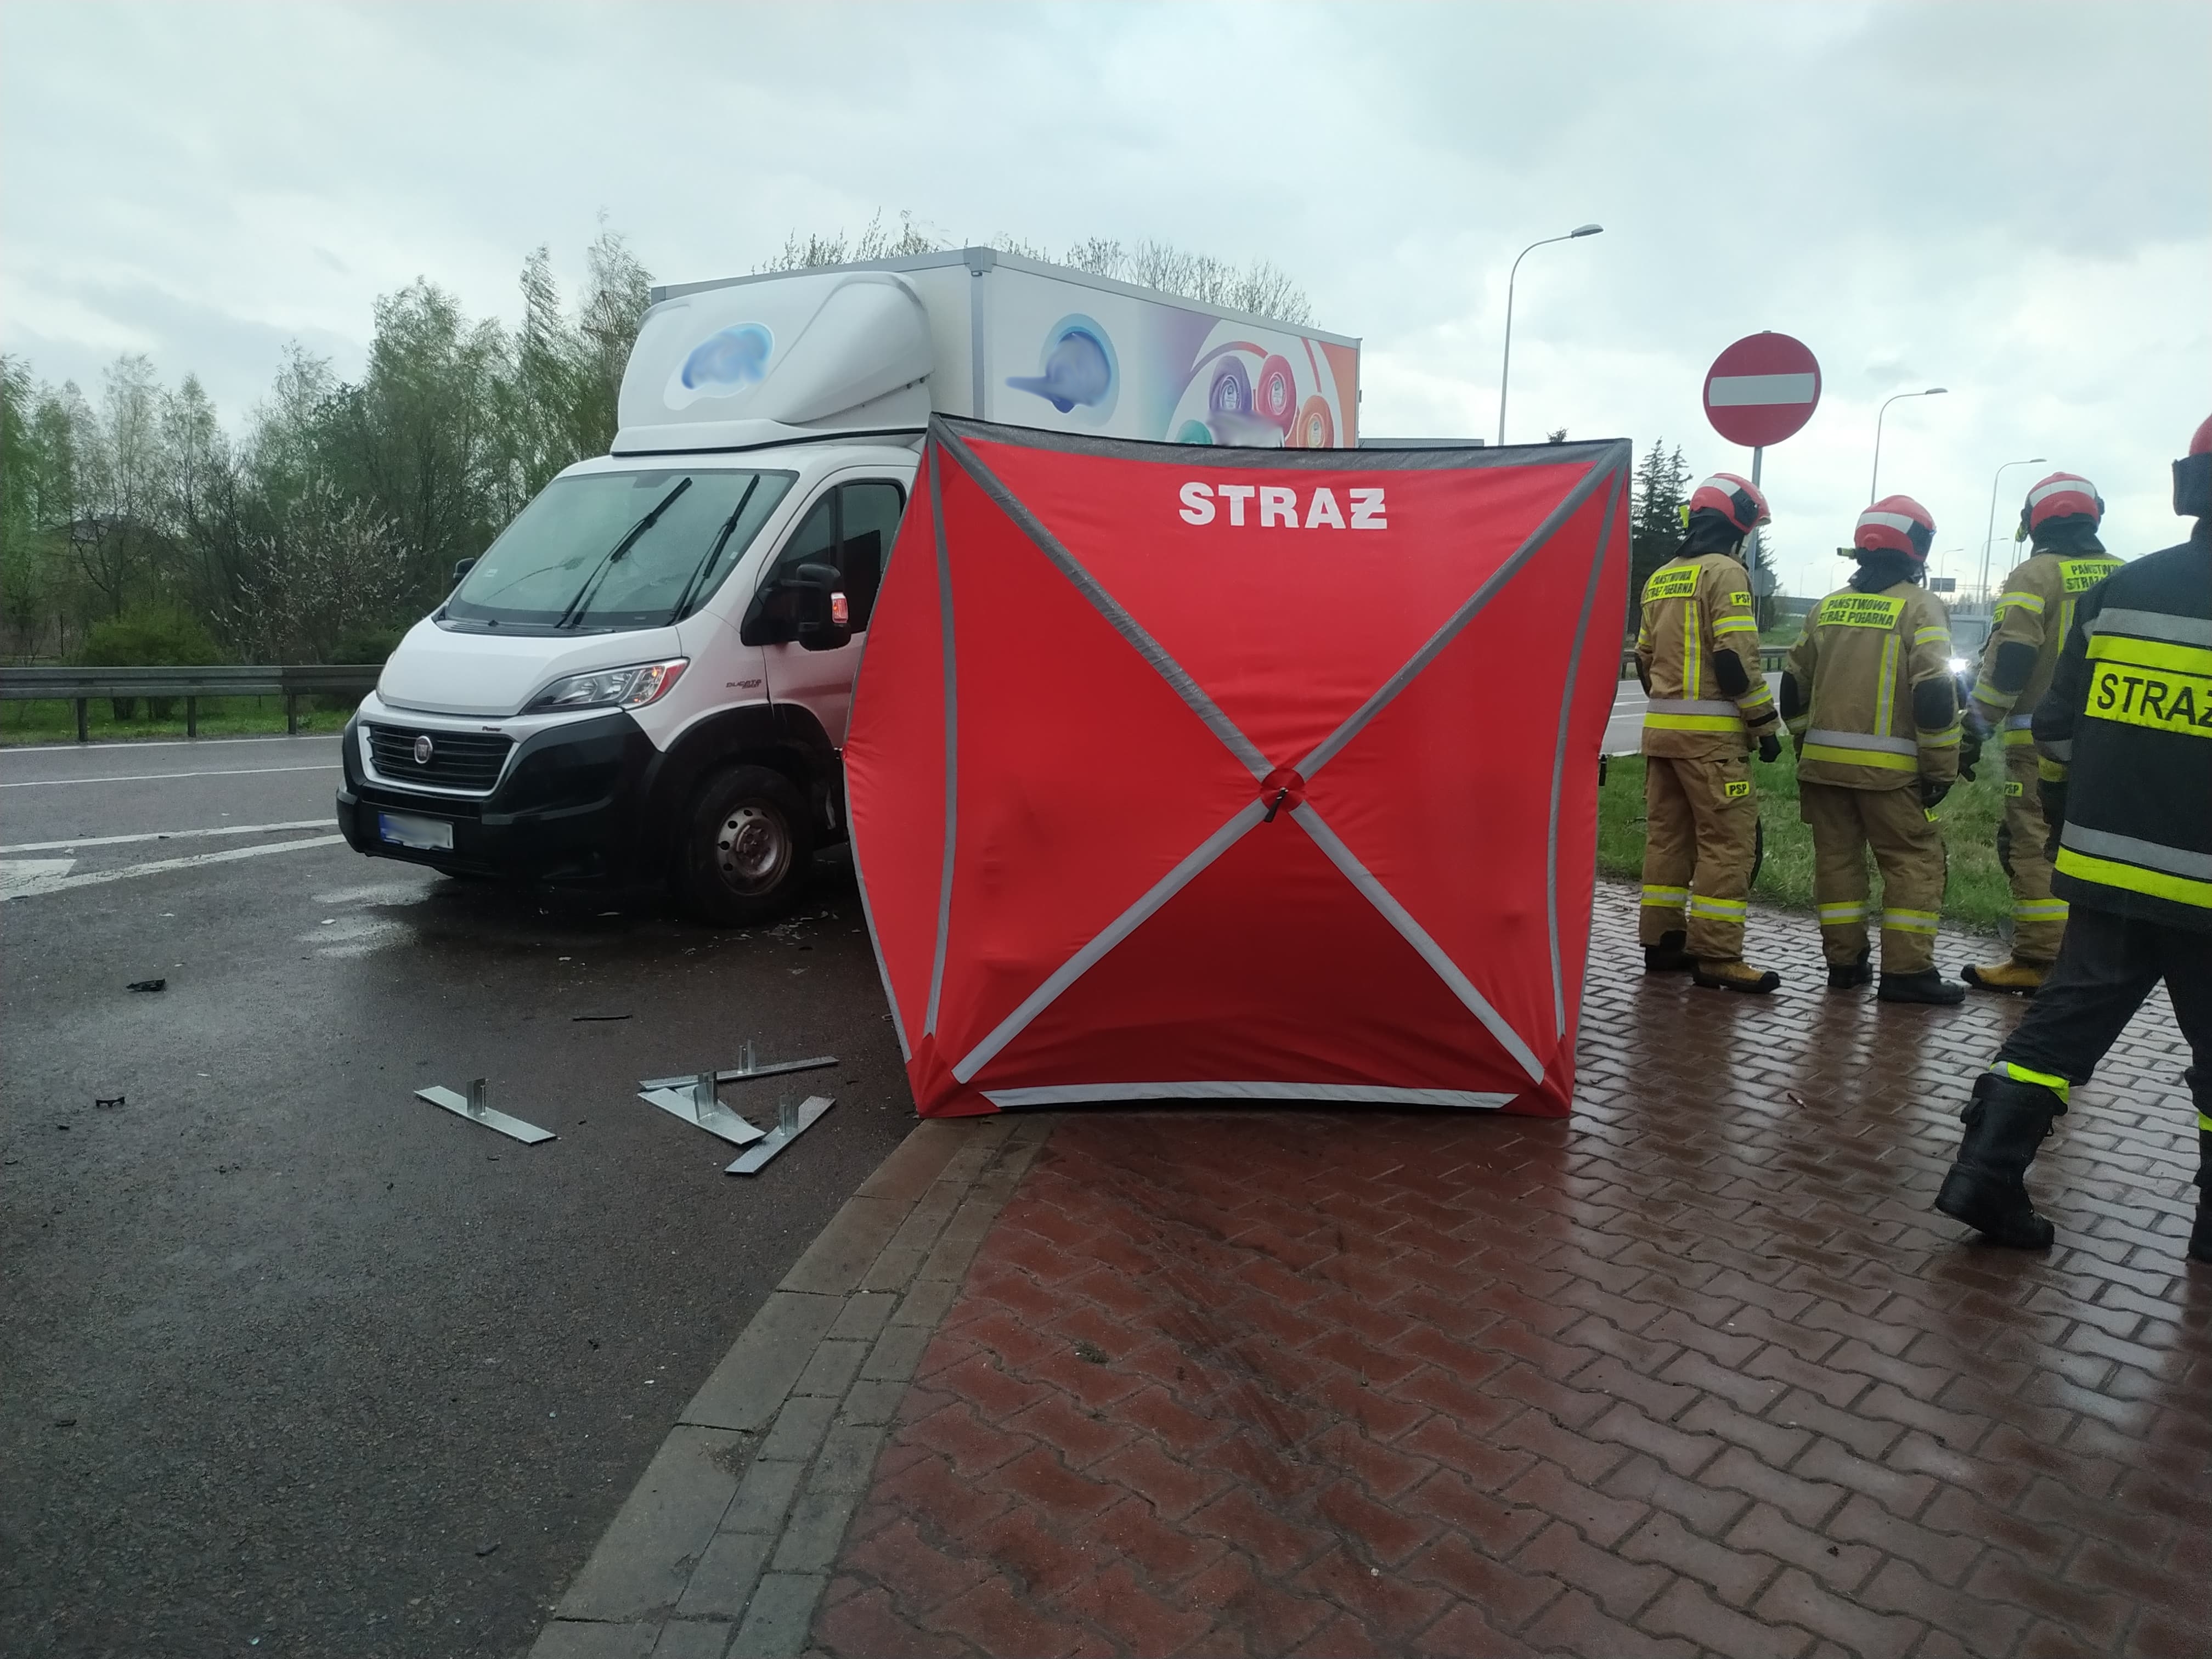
pixel 2151 653
pixel 2017 737
pixel 1947 739
pixel 1693 666
pixel 2025 601
pixel 1909 921
pixel 1821 752
pixel 1760 696
pixel 1799 725
pixel 1723 909
pixel 2039 910
pixel 2203 1124
pixel 1884 697
pixel 2161 700
pixel 1666 898
pixel 2050 771
pixel 1930 636
pixel 2133 878
pixel 2050 1081
pixel 1840 915
pixel 1985 692
pixel 1734 625
pixel 1693 723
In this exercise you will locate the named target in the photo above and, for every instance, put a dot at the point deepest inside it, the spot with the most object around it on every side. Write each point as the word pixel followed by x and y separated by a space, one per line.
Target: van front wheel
pixel 747 848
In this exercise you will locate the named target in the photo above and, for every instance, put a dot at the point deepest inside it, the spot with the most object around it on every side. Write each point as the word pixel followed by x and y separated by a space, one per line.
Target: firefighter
pixel 2124 736
pixel 1696 654
pixel 1868 694
pixel 2059 521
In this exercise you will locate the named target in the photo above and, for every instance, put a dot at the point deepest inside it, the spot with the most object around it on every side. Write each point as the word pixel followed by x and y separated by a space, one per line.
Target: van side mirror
pixel 824 613
pixel 461 567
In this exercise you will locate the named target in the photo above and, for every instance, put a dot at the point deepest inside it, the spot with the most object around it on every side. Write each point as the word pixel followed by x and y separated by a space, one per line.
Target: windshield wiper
pixel 614 555
pixel 722 539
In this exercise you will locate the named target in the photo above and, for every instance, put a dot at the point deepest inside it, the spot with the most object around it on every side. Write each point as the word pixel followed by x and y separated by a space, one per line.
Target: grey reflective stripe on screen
pixel 1862 740
pixel 951 745
pixel 1331 746
pixel 1107 606
pixel 2154 625
pixel 1559 769
pixel 1417 936
pixel 1108 937
pixel 1075 1093
pixel 1688 705
pixel 2151 854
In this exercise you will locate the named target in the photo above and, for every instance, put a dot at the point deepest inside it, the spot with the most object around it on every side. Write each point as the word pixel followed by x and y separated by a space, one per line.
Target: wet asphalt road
pixel 285 1354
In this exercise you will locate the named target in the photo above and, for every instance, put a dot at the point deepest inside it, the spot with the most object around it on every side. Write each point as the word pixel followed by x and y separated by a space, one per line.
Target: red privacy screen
pixel 1191 774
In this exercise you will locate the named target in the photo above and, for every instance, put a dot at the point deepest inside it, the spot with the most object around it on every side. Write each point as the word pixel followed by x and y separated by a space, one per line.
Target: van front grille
pixel 455 760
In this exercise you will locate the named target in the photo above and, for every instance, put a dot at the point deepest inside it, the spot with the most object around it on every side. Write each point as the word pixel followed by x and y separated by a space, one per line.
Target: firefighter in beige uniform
pixel 1696 654
pixel 2059 518
pixel 1868 693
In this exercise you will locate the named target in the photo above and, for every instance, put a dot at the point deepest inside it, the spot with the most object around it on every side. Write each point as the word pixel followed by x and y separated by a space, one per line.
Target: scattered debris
pixel 109 1105
pixel 579 1019
pixel 1090 1353
pixel 793 1119
pixel 486 1549
pixel 147 985
pixel 64 1422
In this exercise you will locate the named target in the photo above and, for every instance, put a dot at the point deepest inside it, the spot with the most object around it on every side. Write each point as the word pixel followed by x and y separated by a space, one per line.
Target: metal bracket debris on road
pixel 694 1100
pixel 793 1119
pixel 471 1106
pixel 747 1066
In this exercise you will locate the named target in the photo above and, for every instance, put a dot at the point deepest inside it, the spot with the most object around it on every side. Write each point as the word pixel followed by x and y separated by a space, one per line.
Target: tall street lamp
pixel 1579 230
pixel 1989 533
pixel 1874 487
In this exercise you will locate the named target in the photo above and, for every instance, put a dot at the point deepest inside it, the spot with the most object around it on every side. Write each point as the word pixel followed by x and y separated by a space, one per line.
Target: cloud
pixel 2008 201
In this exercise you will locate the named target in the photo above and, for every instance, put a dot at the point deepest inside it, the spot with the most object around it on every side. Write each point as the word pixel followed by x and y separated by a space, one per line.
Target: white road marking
pixel 168 742
pixel 26 875
pixel 166 834
pixel 38 888
pixel 158 777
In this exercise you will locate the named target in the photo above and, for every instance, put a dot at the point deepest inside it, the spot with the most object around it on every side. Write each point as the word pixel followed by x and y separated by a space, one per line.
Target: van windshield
pixel 608 550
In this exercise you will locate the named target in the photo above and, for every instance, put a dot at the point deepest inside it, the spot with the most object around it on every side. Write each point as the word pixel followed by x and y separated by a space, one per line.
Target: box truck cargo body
pixel 645 678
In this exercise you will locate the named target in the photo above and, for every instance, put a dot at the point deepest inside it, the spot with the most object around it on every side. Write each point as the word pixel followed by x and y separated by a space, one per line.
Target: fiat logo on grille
pixel 423 749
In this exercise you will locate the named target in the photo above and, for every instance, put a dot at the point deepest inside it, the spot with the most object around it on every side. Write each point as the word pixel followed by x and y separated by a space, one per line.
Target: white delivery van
pixel 645 680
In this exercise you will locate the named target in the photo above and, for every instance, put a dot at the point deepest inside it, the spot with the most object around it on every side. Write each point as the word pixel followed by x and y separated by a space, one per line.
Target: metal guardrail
pixel 290 681
pixel 1771 658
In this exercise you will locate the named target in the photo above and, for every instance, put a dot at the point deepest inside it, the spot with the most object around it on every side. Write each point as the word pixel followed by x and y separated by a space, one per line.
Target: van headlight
pixel 611 687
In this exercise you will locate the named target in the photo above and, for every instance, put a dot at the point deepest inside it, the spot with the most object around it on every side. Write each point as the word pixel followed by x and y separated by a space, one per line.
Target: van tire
pixel 747 848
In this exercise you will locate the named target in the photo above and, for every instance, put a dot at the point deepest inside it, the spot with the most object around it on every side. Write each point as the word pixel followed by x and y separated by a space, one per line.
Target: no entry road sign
pixel 1762 389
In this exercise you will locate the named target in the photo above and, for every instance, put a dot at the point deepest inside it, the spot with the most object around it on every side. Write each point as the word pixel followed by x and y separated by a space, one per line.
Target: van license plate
pixel 403 830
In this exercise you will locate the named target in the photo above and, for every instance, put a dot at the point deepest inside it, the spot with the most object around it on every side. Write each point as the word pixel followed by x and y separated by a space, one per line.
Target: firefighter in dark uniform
pixel 2124 736
pixel 1696 654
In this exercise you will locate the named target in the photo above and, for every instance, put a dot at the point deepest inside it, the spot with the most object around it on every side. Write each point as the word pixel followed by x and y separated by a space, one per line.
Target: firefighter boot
pixel 1927 986
pixel 2020 979
pixel 2006 1122
pixel 1850 976
pixel 1735 975
pixel 1667 956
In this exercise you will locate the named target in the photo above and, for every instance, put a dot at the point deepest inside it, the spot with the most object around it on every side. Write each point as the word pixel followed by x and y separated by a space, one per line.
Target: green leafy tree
pixel 1660 487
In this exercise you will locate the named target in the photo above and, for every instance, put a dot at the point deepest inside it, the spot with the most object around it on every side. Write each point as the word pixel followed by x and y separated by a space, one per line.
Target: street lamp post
pixel 1874 485
pixel 1579 230
pixel 1990 532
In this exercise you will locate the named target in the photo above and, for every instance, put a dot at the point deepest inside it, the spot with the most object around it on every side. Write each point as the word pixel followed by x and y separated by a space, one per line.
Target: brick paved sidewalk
pixel 1696 1371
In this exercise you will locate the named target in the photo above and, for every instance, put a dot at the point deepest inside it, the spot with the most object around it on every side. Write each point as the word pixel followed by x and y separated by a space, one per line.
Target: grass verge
pixel 41 721
pixel 1975 894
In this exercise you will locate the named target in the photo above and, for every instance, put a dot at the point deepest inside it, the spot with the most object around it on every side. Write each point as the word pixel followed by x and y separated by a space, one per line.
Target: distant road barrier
pixel 290 681
pixel 1769 661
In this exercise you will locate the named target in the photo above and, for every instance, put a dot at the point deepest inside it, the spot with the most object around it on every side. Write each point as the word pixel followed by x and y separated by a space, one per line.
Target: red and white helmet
pixel 2063 494
pixel 2192 475
pixel 1737 500
pixel 1896 523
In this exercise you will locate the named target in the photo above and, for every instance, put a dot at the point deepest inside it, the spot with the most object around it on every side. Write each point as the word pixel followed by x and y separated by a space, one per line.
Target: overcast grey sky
pixel 2013 201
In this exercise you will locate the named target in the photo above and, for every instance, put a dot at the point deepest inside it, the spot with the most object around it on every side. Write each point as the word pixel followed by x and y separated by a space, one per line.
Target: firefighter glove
pixel 1970 747
pixel 1770 747
pixel 2053 798
pixel 1932 792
